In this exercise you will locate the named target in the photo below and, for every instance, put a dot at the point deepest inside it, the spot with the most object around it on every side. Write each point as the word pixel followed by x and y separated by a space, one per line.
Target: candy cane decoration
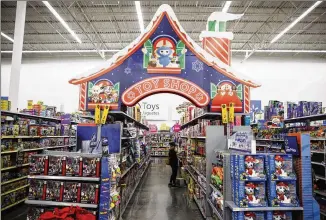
pixel 82 96
pixel 246 99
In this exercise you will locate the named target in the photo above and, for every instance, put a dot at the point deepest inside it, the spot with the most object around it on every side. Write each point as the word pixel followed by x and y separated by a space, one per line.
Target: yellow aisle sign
pixel 97 114
pixel 105 114
pixel 231 112
pixel 224 114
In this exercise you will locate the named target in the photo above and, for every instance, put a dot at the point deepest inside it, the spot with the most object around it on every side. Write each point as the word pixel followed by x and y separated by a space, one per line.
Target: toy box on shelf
pixel 23 135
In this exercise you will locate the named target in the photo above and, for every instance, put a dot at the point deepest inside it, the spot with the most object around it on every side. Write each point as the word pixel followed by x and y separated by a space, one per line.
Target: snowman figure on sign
pixel 250 162
pixel 249 216
pixel 279 165
pixel 250 193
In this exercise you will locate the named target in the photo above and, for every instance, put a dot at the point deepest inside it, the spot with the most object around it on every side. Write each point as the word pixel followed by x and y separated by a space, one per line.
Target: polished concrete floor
pixel 154 200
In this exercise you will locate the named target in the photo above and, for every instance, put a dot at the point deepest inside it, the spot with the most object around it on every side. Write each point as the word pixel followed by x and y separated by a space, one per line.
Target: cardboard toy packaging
pixel 249 216
pixel 251 194
pixel 280 167
pixel 275 215
pixel 303 108
pixel 251 167
pixel 282 193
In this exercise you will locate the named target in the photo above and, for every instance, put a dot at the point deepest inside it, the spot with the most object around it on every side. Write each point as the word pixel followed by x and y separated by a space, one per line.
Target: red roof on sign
pixel 164 10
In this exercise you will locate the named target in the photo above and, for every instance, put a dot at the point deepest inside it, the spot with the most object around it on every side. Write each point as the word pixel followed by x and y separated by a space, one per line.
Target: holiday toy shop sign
pixel 165 84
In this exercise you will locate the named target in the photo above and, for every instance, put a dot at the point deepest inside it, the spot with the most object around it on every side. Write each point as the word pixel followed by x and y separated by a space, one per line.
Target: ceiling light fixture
pixel 140 16
pixel 115 50
pixel 296 21
pixel 226 6
pixel 55 13
pixel 6 36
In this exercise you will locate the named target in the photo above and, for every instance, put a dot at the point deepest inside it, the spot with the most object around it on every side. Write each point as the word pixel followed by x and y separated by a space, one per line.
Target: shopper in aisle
pixel 173 162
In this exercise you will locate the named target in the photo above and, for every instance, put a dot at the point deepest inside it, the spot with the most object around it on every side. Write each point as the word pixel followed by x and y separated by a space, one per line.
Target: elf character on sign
pixel 226 94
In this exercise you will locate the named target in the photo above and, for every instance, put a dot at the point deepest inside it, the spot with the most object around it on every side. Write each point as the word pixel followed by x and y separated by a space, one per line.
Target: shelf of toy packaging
pixel 121 116
pixel 236 208
pixel 33 117
pixel 67 204
pixel 306 118
pixel 207 115
pixel 71 178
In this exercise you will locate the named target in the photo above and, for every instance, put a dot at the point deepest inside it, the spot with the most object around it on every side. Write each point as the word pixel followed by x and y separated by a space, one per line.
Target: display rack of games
pixel 159 143
pixel 23 135
pixel 63 179
pixel 313 126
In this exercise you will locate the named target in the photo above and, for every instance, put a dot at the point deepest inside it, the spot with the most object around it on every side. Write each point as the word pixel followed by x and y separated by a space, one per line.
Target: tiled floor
pixel 154 200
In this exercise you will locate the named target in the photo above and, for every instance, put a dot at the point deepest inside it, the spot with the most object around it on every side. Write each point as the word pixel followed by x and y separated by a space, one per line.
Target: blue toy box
pixel 251 167
pixel 280 167
pixel 282 194
pixel 250 194
pixel 277 215
pixel 249 216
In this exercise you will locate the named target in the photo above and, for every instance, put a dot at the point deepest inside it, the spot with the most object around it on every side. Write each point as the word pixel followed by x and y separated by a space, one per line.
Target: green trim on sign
pixel 213 90
pixel 117 87
pixel 222 26
pixel 239 91
pixel 149 46
pixel 179 48
pixel 90 86
pixel 211 25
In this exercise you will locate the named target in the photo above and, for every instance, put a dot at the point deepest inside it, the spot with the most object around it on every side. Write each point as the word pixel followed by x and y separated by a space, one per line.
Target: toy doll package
pixel 89 193
pixel 38 165
pixel 73 166
pixel 251 194
pixel 251 167
pixel 248 216
pixel 35 189
pixel 55 165
pixel 91 167
pixel 53 191
pixel 282 194
pixel 70 192
pixel 280 167
pixel 277 215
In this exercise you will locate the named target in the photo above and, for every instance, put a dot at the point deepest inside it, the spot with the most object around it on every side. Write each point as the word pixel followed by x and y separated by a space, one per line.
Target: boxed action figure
pixel 251 167
pixel 54 191
pixel 71 192
pixel 89 193
pixel 74 166
pixel 38 165
pixel 282 193
pixel 277 215
pixel 251 194
pixel 36 189
pixel 280 167
pixel 56 165
pixel 91 167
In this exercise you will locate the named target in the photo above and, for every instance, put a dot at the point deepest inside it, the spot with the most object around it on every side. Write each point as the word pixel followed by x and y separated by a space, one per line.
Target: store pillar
pixel 17 54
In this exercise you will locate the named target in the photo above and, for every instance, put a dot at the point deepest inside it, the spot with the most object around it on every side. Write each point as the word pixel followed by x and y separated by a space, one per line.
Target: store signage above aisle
pixel 164 59
pixel 242 141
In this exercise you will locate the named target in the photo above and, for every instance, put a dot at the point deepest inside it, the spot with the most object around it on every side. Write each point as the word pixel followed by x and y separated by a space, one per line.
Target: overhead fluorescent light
pixel 55 13
pixel 6 36
pixel 140 16
pixel 226 6
pixel 296 21
pixel 234 50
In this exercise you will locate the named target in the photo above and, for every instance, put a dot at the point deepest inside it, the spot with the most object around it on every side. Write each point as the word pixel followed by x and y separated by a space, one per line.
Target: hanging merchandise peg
pixel 97 114
pixel 105 114
pixel 224 114
pixel 231 112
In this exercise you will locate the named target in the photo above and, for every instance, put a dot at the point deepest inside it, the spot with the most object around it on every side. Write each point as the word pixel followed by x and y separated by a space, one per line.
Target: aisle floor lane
pixel 154 200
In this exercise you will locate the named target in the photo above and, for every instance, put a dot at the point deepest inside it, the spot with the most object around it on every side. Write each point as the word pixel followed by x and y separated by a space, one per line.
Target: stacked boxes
pixel 281 181
pixel 262 215
pixel 303 108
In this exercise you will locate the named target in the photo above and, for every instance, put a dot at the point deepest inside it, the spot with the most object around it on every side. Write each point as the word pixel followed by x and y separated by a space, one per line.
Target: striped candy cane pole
pixel 246 99
pixel 82 96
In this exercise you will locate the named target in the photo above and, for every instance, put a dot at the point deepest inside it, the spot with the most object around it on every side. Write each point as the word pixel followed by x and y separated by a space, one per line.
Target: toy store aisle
pixel 155 200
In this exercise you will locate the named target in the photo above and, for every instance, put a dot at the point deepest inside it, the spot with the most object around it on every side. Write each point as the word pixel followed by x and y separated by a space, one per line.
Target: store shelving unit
pixel 159 143
pixel 207 115
pixel 22 176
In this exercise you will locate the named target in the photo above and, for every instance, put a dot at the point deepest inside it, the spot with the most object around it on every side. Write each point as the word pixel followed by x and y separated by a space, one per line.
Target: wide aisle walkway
pixel 154 200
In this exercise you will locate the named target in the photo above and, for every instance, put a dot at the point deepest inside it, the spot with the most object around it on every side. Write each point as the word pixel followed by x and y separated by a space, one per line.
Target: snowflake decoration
pixel 127 70
pixel 112 74
pixel 197 66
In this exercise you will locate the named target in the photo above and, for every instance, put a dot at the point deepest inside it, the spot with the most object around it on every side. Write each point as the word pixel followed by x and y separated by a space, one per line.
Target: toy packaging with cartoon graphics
pixel 89 193
pixel 251 167
pixel 279 215
pixel 251 194
pixel 54 191
pixel 71 192
pixel 73 166
pixel 249 216
pixel 55 165
pixel 282 194
pixel 91 167
pixel 38 165
pixel 36 189
pixel 280 167
pixel 34 213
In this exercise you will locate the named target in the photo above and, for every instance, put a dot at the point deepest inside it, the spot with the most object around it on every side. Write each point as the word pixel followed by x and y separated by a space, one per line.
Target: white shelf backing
pixel 51 203
pixel 235 208
pixel 72 178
